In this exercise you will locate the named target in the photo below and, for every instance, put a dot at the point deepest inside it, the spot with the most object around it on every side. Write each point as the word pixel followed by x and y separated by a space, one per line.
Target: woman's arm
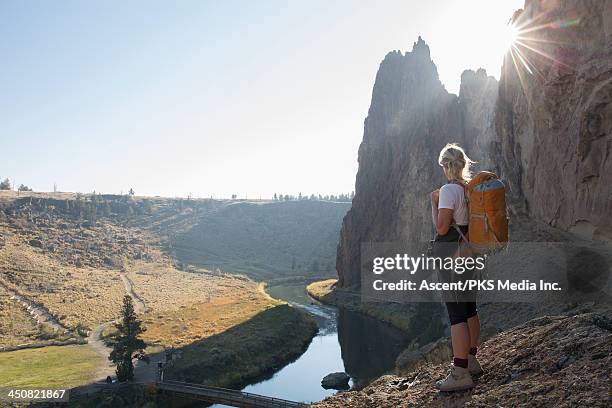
pixel 444 221
pixel 435 198
pixel 443 217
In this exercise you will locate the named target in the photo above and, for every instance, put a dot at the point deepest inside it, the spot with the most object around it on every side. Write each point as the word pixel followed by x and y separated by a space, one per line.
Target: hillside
pixel 265 240
pixel 67 260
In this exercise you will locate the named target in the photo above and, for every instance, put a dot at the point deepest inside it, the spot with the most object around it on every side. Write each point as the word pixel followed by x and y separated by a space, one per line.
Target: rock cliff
pixel 546 129
pixel 411 118
pixel 554 115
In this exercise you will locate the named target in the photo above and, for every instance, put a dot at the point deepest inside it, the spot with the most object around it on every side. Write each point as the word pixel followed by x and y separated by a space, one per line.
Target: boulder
pixel 336 381
pixel 36 243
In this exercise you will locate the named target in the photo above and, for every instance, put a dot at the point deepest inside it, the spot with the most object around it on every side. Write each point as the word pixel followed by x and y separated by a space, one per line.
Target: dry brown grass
pixel 163 287
pixel 74 295
pixel 232 301
pixel 16 325
pixel 182 307
pixel 320 289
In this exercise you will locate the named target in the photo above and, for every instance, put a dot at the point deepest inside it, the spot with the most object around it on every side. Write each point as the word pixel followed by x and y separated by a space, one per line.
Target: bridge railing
pixel 227 394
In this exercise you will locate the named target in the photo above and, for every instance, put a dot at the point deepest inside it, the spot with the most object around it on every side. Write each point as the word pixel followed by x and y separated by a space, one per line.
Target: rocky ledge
pixel 550 361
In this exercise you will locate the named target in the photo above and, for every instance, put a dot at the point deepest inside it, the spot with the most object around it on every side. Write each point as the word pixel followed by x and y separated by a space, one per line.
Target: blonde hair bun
pixel 456 162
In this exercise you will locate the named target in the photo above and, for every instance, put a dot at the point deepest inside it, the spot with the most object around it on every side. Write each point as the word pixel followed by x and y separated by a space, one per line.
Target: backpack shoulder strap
pixel 464 185
pixel 466 200
pixel 461 233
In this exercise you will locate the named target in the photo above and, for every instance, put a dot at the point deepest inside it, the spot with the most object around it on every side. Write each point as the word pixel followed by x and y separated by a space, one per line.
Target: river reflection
pixel 361 346
pixel 368 347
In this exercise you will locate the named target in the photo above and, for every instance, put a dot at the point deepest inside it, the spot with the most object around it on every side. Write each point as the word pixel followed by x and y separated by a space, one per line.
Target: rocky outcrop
pixel 553 118
pixel 545 129
pixel 550 361
pixel 337 381
pixel 411 118
pixel 477 96
pixel 433 353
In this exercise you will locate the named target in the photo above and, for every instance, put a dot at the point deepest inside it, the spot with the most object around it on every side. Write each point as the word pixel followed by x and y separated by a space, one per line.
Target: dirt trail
pixel 95 341
pixel 139 304
pixel 38 313
pixel 143 372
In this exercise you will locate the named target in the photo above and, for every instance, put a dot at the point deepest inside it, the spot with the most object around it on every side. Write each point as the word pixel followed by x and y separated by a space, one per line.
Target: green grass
pixel 54 366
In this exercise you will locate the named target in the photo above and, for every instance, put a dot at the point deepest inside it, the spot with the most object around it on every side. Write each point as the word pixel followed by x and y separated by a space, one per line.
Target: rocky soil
pixel 562 361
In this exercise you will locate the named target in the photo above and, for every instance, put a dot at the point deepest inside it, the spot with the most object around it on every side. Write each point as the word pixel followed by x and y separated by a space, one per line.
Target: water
pixel 363 347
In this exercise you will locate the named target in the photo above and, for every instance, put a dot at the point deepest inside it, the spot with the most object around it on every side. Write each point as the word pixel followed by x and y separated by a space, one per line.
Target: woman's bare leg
pixel 473 324
pixel 460 338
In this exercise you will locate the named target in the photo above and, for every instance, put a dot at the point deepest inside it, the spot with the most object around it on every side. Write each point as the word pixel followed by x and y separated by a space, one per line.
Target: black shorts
pixel 458 312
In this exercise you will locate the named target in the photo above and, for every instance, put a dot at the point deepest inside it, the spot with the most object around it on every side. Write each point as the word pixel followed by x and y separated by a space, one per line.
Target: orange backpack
pixel 488 224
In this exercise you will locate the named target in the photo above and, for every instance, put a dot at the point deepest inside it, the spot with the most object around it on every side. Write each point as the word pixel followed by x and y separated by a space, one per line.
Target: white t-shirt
pixel 452 197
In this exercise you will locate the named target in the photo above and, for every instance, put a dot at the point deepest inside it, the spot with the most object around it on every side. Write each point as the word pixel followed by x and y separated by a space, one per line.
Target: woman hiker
pixel 450 214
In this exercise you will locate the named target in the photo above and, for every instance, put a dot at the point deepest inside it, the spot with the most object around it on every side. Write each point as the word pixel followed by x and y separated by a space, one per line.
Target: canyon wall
pixel 411 118
pixel 554 116
pixel 545 129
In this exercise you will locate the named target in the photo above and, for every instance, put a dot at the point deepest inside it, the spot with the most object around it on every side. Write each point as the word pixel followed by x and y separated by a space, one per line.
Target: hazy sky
pixel 213 98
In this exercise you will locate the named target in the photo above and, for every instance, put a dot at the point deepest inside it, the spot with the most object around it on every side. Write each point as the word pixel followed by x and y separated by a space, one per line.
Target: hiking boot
pixel 458 379
pixel 474 366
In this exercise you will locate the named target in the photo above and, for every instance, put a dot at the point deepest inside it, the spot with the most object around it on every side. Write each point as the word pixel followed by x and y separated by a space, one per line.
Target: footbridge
pixel 224 396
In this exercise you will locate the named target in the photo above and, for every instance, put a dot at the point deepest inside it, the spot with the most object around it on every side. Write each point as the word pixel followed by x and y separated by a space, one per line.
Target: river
pixel 361 346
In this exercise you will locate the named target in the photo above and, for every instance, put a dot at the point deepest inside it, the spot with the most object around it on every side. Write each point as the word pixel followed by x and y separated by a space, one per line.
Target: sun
pixel 509 36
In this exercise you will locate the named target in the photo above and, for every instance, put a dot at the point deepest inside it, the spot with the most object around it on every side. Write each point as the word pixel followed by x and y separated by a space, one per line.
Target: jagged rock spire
pixel 420 48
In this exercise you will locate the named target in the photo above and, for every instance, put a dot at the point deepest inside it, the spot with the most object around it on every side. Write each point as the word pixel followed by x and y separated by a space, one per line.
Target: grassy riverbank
pixel 247 351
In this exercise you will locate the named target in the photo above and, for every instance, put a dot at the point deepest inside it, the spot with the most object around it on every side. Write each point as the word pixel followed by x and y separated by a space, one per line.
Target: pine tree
pixel 128 345
pixel 5 184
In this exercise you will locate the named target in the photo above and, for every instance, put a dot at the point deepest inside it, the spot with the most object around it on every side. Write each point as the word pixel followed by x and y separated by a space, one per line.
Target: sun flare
pixel 509 36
